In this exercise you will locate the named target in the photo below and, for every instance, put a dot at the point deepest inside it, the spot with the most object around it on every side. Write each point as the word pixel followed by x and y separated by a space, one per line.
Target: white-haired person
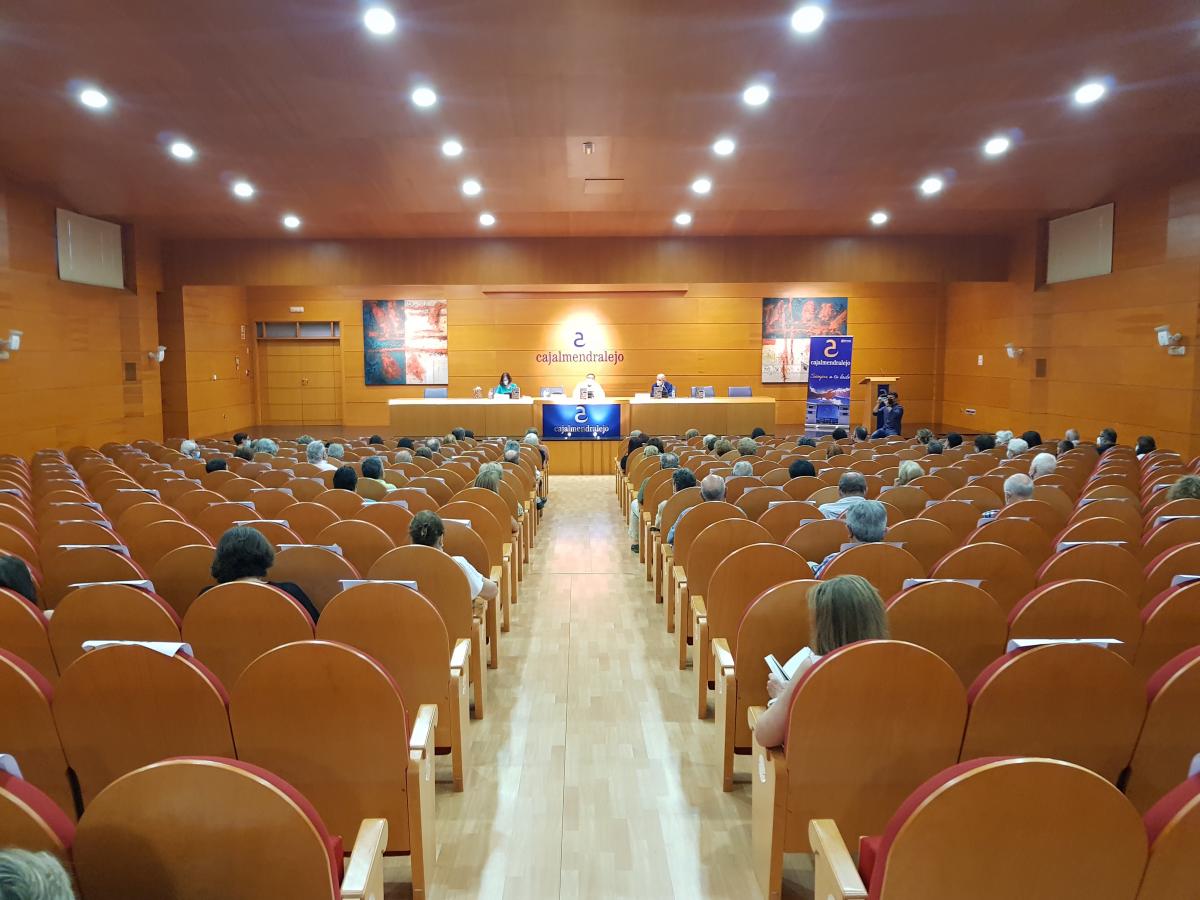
pixel 190 449
pixel 1016 488
pixel 909 470
pixel 33 876
pixel 852 489
pixel 1015 447
pixel 867 524
pixel 662 387
pixel 1043 464
pixel 741 467
pixel 317 455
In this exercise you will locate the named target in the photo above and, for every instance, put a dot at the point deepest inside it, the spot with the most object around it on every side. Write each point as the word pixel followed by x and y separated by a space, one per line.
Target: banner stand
pixel 829 384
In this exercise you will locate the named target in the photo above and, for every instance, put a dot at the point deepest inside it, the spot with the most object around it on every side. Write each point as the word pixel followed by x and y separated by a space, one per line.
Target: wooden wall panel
pixel 1104 367
pixel 215 318
pixel 711 335
pixel 67 385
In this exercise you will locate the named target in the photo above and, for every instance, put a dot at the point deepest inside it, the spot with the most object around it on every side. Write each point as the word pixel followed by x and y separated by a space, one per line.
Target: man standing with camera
pixel 889 415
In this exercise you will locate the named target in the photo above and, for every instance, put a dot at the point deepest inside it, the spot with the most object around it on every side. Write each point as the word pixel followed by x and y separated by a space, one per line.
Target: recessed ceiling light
pixel 724 146
pixel 243 189
pixel 702 185
pixel 424 97
pixel 487 220
pixel 291 221
pixel 471 187
pixel 379 20
pixel 683 218
pixel 808 18
pixel 932 185
pixel 93 98
pixel 756 95
pixel 182 150
pixel 997 146
pixel 1090 92
pixel 452 148
pixel 879 217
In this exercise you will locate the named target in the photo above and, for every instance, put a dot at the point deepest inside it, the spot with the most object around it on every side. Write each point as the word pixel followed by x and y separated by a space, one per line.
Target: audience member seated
pixel 908 471
pixel 711 488
pixel 427 529
pixel 33 876
pixel 372 468
pixel 953 439
pixel 345 479
pixel 842 611
pixel 1186 488
pixel 861 434
pixel 801 468
pixel 1072 435
pixel 434 444
pixel 243 554
pixel 710 441
pixel 336 451
pixel 402 457
pixel 1107 434
pixel 531 439
pixel 489 477
pixel 215 465
pixel 1043 464
pixel 805 441
pixel 244 453
pixel 722 446
pixel 460 433
pixel 1031 438
pixel 1003 437
pixel 1065 446
pixel 405 443
pixel 741 467
pixel 924 435
pixel 852 489
pixel 304 440
pixel 14 575
pixel 867 524
pixel 1016 446
pixel 241 439
pixel 838 434
pixel 985 442
pixel 1016 487
pixel 665 461
pixel 190 449
pixel 424 453
pixel 681 480
pixel 757 433
pixel 374 439
pixel 1145 444
pixel 635 442
pixel 317 455
pixel 691 433
pixel 747 446
pixel 266 445
pixel 834 450
pixel 935 448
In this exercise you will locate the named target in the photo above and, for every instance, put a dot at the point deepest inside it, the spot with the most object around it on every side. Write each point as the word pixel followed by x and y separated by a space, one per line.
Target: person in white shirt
pixel 588 389
pixel 427 529
pixel 318 456
pixel 843 610
pixel 852 488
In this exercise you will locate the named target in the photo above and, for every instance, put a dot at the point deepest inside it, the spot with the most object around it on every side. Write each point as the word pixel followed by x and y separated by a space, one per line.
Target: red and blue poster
pixel 829 380
pixel 404 342
pixel 787 325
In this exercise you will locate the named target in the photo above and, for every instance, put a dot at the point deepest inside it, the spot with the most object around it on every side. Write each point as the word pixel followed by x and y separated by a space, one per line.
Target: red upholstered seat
pixel 1173 829
pixel 30 820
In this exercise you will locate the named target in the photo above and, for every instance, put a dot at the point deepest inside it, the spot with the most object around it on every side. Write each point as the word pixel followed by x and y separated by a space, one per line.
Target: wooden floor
pixel 591 776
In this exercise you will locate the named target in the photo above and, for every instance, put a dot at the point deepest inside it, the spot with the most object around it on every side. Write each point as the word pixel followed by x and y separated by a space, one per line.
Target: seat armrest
pixel 699 610
pixel 496 573
pixel 753 714
pixel 421 739
pixel 722 656
pixel 506 550
pixel 834 874
pixel 461 655
pixel 364 871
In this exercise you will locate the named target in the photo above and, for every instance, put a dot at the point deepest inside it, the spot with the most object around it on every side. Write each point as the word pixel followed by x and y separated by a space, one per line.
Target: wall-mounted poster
pixel 404 342
pixel 787 324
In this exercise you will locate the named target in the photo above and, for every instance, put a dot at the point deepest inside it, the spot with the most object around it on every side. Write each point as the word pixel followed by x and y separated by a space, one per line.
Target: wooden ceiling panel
pixel 297 97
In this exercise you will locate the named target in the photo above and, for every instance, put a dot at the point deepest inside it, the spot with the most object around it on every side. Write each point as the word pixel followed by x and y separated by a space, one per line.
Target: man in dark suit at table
pixel 662 387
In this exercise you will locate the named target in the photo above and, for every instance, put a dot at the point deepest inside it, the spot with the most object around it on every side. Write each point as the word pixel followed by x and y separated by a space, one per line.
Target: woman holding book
pixel 844 610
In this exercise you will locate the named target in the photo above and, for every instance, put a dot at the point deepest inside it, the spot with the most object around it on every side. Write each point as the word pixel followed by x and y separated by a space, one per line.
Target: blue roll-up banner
pixel 581 421
pixel 829 380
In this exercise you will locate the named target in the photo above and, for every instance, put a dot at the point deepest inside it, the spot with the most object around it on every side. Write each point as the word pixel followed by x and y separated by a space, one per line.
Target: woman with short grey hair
pixel 33 876
pixel 190 449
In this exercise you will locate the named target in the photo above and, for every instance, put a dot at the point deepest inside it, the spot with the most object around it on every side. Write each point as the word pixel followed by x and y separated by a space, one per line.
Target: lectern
pixel 873 382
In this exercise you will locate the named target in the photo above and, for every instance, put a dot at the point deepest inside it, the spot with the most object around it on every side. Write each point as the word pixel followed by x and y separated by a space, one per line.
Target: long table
pixel 719 415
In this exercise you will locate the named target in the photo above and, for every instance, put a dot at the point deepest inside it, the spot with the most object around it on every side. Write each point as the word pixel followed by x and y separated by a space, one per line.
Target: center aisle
pixel 591 777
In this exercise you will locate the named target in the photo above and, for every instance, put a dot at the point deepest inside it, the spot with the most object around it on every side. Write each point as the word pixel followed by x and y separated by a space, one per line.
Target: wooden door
pixel 300 382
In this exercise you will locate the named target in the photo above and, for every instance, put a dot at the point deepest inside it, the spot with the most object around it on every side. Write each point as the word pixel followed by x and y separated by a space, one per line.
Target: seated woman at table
pixel 842 610
pixel 505 386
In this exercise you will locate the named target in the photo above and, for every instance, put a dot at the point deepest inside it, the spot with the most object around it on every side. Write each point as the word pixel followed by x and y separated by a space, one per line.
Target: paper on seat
pixel 8 763
pixel 1027 643
pixel 913 582
pixel 348 583
pixel 115 548
pixel 332 548
pixel 166 648
pixel 143 583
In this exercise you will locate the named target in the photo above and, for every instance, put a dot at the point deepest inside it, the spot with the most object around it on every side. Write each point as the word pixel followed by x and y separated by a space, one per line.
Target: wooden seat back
pixel 907 498
pixel 1171 732
pixel 960 518
pixel 84 564
pixel 308 519
pixel 31 820
pixel 714 544
pixel 391 518
pixel 755 501
pixel 803 487
pixel 1101 562
pixel 461 540
pixel 906 709
pixel 679 501
pixel 1125 510
pixel 439 580
pixel 404 633
pixel 816 539
pixel 371 489
pixel 271 502
pixel 1079 608
pixel 232 624
pixel 1170 625
pixel 1023 535
pixel 282 708
pixel 699 517
pixel 319 572
pixel 362 543
pixel 1100 528
pixel 28 731
pixel 1160 571
pixel 926 539
pixel 1077 833
pixel 959 622
pixel 740 577
pixel 180 575
pixel 24 632
pixel 119 612
pixel 124 706
pixel 1076 702
pixel 885 566
pixel 785 517
pixel 341 502
pixel 737 485
pixel 483 524
pixel 1003 571
pixel 153 541
pixel 193 503
pixel 191 817
pixel 1168 535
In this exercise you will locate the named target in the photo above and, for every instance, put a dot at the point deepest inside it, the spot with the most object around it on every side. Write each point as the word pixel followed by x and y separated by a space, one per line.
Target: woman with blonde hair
pixel 842 610
pixel 909 470
pixel 1186 488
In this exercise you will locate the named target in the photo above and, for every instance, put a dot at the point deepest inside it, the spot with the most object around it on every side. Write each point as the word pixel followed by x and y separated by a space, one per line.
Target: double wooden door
pixel 300 382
